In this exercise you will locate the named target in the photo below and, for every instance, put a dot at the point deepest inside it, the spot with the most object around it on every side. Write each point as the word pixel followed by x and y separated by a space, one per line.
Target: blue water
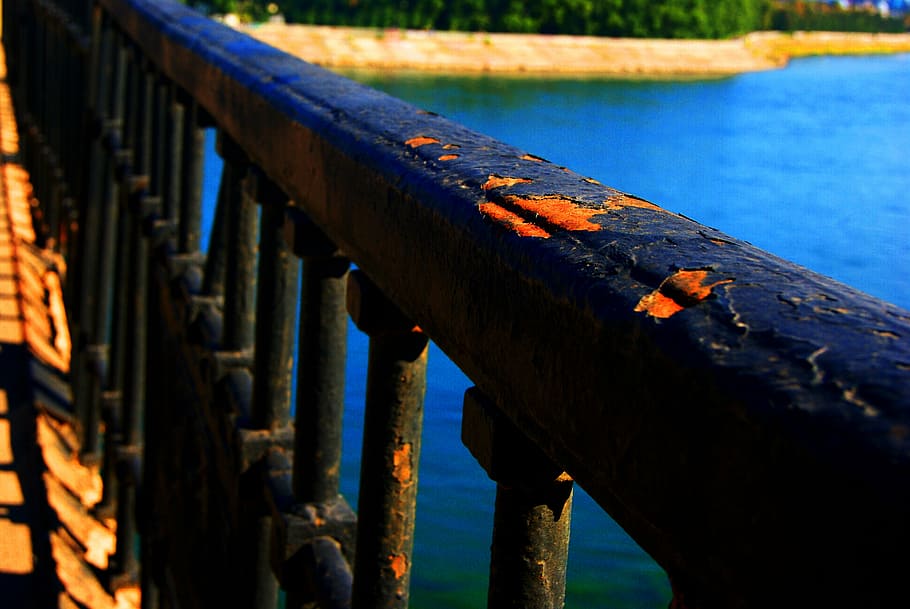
pixel 811 162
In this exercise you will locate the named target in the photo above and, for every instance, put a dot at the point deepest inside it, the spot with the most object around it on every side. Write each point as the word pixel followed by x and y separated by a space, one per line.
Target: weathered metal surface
pixel 533 510
pixel 393 422
pixel 322 349
pixel 240 275
pixel 729 409
pixel 276 303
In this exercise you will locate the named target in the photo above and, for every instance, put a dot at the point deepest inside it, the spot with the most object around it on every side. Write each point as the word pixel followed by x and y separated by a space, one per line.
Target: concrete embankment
pixel 460 52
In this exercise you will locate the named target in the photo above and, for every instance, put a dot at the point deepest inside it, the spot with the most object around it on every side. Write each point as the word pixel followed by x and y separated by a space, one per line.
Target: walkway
pixel 51 548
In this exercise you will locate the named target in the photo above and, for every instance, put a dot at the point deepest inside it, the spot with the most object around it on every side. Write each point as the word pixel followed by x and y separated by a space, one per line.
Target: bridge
pixel 743 418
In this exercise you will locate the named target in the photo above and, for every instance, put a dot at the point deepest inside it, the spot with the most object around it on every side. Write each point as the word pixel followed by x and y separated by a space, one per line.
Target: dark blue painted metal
pixel 730 409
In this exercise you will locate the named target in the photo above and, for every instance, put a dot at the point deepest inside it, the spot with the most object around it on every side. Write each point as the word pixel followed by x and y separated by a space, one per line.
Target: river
pixel 811 162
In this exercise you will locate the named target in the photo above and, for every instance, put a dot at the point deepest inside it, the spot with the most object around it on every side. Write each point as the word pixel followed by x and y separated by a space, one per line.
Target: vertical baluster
pixel 190 206
pixel 314 474
pixel 276 297
pixel 173 174
pixel 322 347
pixel 112 404
pixel 97 349
pixel 533 511
pixel 396 383
pixel 276 300
pixel 240 274
pixel 91 220
pixel 134 391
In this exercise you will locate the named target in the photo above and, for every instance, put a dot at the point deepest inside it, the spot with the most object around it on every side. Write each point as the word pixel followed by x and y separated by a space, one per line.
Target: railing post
pixel 396 384
pixel 102 76
pixel 316 527
pixel 191 169
pixel 533 511
pixel 276 297
pixel 322 349
pixel 97 347
pixel 142 206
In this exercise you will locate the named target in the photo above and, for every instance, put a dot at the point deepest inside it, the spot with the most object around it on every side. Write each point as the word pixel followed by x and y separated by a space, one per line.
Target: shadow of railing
pixel 743 418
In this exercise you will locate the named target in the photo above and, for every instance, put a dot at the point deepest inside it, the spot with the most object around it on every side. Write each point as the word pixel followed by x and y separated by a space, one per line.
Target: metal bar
pixel 322 348
pixel 134 392
pixel 393 419
pixel 98 337
pixel 276 295
pixel 91 220
pixel 190 207
pixel 276 301
pixel 240 274
pixel 533 511
pixel 173 170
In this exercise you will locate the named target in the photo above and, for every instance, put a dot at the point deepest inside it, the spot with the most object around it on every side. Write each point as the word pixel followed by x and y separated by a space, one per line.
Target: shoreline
pixel 347 48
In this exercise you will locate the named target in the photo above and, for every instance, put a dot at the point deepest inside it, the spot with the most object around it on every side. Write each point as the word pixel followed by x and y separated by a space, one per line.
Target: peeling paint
pixel 449 157
pixel 622 201
pixel 559 211
pixel 421 140
pixel 495 181
pixel 399 564
pixel 512 221
pixel 680 290
pixel 818 373
pixel 401 464
pixel 887 334
pixel 451 147
pixel 531 157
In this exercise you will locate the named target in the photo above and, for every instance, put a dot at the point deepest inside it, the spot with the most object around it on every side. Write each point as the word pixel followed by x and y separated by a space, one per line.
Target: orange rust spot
pixel 591 181
pixel 559 211
pixel 399 564
pixel 531 157
pixel 421 140
pixel 678 291
pixel 512 221
pixel 449 157
pixel 495 181
pixel 451 147
pixel 622 201
pixel 401 464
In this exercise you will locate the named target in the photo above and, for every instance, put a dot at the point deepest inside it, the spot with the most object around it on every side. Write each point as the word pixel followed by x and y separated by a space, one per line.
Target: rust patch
pixel 559 211
pixel 592 181
pixel 401 464
pixel 421 140
pixel 623 201
pixel 531 157
pixel 680 290
pixel 512 221
pixel 451 147
pixel 887 334
pixel 399 564
pixel 449 157
pixel 495 181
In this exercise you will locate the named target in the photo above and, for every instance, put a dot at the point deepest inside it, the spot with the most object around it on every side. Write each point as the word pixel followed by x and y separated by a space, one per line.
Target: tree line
pixel 819 16
pixel 631 18
pixel 637 18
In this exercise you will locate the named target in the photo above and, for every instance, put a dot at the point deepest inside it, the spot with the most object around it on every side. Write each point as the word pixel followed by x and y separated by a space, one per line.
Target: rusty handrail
pixel 743 418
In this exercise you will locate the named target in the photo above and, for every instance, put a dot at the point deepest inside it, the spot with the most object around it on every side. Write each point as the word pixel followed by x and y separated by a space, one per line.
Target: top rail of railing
pixel 744 418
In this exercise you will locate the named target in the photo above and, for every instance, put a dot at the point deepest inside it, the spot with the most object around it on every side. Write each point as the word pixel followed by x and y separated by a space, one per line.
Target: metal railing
pixel 744 419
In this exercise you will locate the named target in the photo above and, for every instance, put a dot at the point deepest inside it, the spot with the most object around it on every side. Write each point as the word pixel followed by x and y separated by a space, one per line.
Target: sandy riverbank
pixel 537 54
